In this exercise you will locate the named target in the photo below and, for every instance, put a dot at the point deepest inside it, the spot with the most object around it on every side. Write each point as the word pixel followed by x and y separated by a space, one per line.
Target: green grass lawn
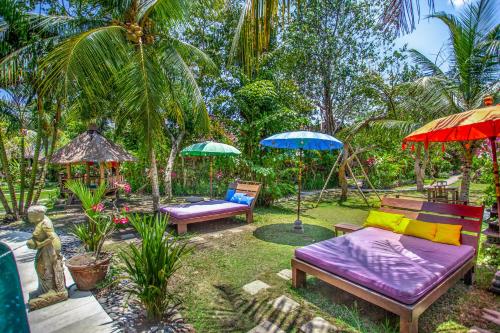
pixel 210 281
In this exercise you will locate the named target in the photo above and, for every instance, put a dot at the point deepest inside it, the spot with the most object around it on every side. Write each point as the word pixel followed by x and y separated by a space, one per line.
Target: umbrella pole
pixel 495 170
pixel 211 176
pixel 298 227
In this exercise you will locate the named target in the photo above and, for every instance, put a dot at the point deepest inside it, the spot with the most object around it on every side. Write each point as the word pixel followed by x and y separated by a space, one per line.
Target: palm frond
pixel 86 59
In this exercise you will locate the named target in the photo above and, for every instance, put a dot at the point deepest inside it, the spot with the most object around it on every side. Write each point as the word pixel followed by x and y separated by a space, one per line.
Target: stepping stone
pixel 266 327
pixel 284 304
pixel 235 231
pixel 478 330
pixel 197 239
pixel 285 274
pixel 127 236
pixel 254 287
pixel 318 325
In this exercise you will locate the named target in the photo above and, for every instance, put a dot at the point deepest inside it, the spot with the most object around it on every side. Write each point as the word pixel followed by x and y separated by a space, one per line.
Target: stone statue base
pixel 47 299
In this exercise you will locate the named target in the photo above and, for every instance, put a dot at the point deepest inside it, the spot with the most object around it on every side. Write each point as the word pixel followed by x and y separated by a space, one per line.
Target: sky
pixel 431 35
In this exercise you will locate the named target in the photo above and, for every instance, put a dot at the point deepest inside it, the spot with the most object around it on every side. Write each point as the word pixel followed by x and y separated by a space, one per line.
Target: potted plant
pixel 91 267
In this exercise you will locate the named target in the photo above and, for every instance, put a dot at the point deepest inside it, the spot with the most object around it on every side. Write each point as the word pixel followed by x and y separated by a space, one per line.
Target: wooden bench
pixel 251 189
pixel 345 228
pixel 469 217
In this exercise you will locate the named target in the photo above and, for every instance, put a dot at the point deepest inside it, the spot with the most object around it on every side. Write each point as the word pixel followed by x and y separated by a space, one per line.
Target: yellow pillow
pixel 401 227
pixel 421 229
pixel 448 234
pixel 382 220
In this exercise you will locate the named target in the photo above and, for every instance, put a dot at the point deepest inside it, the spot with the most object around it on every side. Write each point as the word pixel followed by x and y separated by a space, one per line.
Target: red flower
pixel 126 209
pixel 116 220
pixel 98 208
pixel 124 220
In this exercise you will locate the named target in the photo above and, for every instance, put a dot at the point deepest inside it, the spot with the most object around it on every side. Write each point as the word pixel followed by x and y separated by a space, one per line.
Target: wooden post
pixel 101 173
pixel 495 170
pixel 68 171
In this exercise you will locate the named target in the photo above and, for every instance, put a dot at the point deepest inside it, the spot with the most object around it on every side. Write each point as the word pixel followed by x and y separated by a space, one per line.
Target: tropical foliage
pixel 151 265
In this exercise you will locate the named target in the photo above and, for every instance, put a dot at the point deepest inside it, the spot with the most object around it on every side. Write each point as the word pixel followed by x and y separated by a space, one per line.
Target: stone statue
pixel 48 261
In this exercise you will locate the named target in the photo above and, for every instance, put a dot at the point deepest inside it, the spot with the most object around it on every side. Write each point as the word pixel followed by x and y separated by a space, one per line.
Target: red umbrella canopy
pixel 476 124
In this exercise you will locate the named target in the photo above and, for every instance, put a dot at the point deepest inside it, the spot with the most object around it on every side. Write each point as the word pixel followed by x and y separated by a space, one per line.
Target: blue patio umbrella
pixel 302 140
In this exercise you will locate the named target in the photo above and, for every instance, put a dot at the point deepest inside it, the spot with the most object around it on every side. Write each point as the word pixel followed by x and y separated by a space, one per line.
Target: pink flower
pixel 173 174
pixel 116 220
pixel 98 208
pixel 126 209
pixel 124 220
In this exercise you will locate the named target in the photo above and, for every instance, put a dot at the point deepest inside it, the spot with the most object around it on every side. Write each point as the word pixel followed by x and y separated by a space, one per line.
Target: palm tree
pixel 131 51
pixel 473 69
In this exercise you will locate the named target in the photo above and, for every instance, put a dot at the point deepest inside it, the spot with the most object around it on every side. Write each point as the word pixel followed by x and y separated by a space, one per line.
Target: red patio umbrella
pixel 470 125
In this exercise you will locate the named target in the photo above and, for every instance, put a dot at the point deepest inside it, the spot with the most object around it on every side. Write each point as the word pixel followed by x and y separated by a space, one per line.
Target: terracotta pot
pixel 88 274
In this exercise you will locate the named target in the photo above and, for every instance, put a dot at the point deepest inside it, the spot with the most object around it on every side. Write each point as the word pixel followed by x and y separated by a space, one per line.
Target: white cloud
pixel 457 3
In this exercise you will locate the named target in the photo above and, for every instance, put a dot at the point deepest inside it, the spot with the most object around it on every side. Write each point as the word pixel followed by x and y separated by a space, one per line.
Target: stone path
pixel 318 325
pixel 285 274
pixel 254 287
pixel 284 304
pixel 266 327
pixel 80 313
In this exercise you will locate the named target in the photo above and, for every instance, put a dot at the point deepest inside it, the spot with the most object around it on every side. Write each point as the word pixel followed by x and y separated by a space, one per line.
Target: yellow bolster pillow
pixel 401 227
pixel 382 220
pixel 421 229
pixel 448 234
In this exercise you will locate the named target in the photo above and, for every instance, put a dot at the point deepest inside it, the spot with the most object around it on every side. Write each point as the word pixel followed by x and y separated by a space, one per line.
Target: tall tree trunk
pixel 184 174
pixel 154 182
pixel 36 154
pixel 49 153
pixel 176 142
pixel 5 203
pixel 22 172
pixel 8 176
pixel 466 177
pixel 420 165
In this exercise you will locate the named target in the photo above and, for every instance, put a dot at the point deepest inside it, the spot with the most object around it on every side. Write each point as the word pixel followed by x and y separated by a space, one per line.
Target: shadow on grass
pixel 359 314
pixel 282 233
pixel 234 312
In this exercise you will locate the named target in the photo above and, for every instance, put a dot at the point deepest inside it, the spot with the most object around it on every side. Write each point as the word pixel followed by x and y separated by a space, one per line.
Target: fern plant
pixel 99 226
pixel 150 265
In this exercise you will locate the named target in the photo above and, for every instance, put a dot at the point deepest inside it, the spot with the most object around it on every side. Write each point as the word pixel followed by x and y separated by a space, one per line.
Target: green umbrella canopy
pixel 210 148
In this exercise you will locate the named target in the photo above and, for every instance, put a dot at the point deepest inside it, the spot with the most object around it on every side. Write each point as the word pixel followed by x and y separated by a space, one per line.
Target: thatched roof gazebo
pixel 91 148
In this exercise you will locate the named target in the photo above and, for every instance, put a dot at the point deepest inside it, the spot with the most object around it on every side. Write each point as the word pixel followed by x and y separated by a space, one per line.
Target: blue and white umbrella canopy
pixel 302 140
pixel 305 140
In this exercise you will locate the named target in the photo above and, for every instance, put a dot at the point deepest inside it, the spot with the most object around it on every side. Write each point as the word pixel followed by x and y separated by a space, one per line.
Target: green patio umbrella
pixel 211 149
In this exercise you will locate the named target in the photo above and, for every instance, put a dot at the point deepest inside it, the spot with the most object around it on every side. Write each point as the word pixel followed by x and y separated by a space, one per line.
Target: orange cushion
pixel 421 229
pixel 448 234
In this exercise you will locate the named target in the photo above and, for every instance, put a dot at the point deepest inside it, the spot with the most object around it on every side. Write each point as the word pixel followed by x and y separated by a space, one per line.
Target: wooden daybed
pixel 182 215
pixel 395 260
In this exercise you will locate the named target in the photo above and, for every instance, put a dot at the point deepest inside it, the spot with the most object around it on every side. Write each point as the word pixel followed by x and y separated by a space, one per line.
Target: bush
pixel 150 265
pixel 99 226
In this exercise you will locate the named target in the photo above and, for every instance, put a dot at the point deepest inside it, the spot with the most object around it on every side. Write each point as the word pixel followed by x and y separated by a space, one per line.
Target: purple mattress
pixel 401 267
pixel 203 208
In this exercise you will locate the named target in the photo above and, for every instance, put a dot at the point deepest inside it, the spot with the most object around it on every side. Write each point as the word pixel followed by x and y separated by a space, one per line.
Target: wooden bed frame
pixel 469 217
pixel 251 189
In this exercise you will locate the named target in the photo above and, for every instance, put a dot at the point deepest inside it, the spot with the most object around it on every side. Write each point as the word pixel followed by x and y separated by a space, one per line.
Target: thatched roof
pixel 90 146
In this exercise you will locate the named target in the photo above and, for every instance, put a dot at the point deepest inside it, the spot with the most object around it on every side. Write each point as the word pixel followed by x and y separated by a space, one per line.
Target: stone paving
pixel 318 325
pixel 80 313
pixel 284 304
pixel 266 327
pixel 254 287
pixel 285 274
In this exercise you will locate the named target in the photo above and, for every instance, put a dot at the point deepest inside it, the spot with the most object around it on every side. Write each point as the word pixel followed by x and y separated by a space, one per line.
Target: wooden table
pixel 345 228
pixel 435 194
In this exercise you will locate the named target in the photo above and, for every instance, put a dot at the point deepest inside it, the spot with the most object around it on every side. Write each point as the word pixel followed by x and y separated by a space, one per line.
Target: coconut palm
pixel 473 68
pixel 133 53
